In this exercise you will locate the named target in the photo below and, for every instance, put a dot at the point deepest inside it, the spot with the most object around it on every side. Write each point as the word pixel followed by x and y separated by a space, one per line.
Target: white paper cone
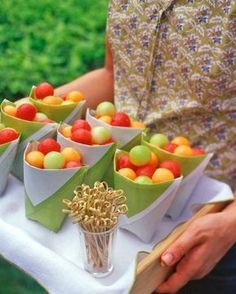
pixel 90 154
pixel 186 188
pixel 121 135
pixel 49 181
pixel 146 223
pixel 6 161
pixel 48 131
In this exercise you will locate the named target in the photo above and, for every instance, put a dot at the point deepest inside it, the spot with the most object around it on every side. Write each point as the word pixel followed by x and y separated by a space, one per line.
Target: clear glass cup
pixel 97 250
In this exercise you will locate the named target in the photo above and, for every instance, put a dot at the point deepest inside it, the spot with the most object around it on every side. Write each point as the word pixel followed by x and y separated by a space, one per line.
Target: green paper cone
pixel 45 190
pixel 67 113
pixel 24 127
pixel 192 168
pixel 29 130
pixel 139 196
pixel 187 163
pixel 147 204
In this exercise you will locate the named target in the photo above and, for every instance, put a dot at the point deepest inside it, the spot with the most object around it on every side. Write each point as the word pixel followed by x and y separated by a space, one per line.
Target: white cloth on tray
pixel 54 260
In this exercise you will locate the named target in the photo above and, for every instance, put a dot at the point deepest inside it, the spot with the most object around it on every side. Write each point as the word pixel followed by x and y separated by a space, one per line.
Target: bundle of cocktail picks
pixel 97 210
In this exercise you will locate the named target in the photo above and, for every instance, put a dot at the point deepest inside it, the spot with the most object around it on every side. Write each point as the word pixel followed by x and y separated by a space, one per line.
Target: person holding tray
pixel 172 65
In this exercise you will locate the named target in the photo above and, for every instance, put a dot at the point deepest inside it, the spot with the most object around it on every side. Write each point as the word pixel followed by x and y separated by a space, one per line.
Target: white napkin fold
pixel 54 260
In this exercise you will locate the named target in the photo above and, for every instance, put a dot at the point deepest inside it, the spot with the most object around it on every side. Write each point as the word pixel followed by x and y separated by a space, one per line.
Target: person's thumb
pixel 178 249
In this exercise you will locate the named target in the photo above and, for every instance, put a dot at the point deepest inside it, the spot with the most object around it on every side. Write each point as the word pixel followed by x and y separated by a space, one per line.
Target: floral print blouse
pixel 175 69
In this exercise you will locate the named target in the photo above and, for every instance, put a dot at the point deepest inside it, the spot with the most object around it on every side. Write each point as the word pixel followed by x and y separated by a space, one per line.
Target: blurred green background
pixel 48 40
pixel 45 40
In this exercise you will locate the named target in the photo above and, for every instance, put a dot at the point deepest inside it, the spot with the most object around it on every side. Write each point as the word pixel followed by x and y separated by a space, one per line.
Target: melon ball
pixel 159 140
pixel 8 135
pixel 73 164
pixel 162 175
pixel 100 135
pixel 71 154
pixel 48 145
pixel 183 150
pixel 35 158
pixel 54 160
pixel 128 173
pixel 143 180
pixel 66 131
pixel 75 96
pixel 40 117
pixel 53 100
pixel 120 119
pixel 181 141
pixel 105 108
pixel 10 110
pixel 43 90
pixel 82 136
pixel 140 155
pixel 137 124
pixel 67 102
pixel 26 111
pixel 106 118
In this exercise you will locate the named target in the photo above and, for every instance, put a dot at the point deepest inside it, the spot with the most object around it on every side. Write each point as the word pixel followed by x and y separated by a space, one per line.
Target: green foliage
pixel 48 40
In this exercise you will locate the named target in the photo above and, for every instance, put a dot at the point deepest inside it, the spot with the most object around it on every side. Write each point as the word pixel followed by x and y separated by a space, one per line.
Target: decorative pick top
pixel 96 209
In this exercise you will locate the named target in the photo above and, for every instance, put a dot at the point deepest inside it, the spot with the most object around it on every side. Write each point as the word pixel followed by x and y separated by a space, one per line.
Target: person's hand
pixel 198 249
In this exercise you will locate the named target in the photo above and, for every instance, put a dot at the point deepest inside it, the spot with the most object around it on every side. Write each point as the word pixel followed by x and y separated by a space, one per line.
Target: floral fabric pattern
pixel 175 69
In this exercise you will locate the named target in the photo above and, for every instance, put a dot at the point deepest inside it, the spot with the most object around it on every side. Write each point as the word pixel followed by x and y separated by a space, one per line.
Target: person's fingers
pixel 180 247
pixel 174 283
pixel 184 272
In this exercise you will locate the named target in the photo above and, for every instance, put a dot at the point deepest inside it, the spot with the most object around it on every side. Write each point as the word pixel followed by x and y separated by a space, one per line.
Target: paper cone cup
pixel 66 113
pixel 45 189
pixel 24 127
pixel 29 130
pixel 147 204
pixel 99 158
pixel 7 156
pixel 123 136
pixel 192 168
pixel 186 188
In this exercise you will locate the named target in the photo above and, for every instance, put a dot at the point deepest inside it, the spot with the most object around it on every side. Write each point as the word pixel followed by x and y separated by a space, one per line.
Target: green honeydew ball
pixel 159 140
pixel 140 155
pixel 54 160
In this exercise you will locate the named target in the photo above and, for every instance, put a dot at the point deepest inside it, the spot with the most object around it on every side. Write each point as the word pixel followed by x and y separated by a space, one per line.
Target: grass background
pixel 45 40
pixel 48 40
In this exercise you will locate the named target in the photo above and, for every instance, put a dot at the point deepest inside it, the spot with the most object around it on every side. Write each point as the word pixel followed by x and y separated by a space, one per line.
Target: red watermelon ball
pixel 43 90
pixel 82 136
pixel 120 119
pixel 26 111
pixel 49 145
pixel 173 166
pixel 146 170
pixel 73 164
pixel 80 124
pixel 170 147
pixel 8 135
pixel 124 162
pixel 198 151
